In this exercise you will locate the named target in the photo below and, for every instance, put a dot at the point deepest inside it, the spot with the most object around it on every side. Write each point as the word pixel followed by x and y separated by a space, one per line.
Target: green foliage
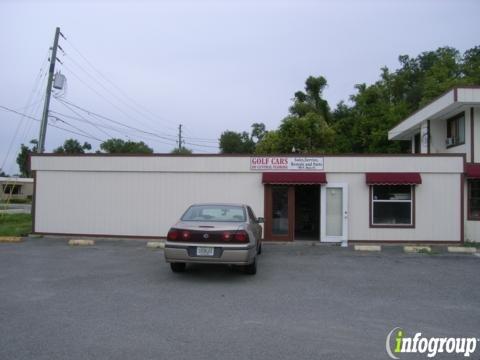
pixel 182 151
pixel 15 224
pixel 236 143
pixel 258 131
pixel 306 129
pixel 3 174
pixel 72 146
pixel 363 126
pixel 119 146
pixel 22 158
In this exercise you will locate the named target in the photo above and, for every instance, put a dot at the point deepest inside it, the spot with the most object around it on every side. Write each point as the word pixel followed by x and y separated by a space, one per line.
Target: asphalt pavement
pixel 119 300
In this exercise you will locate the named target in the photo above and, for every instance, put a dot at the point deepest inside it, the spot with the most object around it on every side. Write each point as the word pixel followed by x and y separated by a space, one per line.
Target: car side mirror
pixel 260 220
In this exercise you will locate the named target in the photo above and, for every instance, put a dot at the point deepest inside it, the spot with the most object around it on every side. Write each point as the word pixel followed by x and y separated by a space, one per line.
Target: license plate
pixel 205 251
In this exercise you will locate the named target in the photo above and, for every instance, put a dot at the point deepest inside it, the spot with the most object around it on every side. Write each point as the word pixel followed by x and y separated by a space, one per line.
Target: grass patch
pixel 472 244
pixel 15 224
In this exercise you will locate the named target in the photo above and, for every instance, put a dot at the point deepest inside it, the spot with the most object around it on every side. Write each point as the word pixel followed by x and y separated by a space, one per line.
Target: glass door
pixel 279 212
pixel 334 213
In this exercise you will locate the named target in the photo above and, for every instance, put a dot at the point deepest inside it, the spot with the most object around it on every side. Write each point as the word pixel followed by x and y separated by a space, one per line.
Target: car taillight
pixel 172 235
pixel 185 235
pixel 241 236
pixel 226 236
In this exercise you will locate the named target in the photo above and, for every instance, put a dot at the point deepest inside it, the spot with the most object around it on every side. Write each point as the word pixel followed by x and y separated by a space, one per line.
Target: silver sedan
pixel 215 233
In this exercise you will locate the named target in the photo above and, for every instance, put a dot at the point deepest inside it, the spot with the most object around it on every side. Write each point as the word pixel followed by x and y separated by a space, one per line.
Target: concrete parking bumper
pixel 156 245
pixel 368 248
pixel 417 249
pixel 462 250
pixel 81 242
pixel 10 239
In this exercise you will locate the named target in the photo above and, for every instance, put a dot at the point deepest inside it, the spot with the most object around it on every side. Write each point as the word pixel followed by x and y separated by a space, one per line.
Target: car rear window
pixel 224 213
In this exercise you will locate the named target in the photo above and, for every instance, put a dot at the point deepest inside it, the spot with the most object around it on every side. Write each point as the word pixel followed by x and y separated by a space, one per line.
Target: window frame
pixel 469 198
pixel 456 119
pixel 389 226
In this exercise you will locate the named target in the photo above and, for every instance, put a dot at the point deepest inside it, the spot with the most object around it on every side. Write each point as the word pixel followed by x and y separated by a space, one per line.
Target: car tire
pixel 259 251
pixel 178 267
pixel 251 269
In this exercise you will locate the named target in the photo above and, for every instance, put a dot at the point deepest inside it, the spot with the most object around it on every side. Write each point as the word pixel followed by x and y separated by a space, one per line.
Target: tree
pixel 119 146
pixel 236 143
pixel 182 151
pixel 72 146
pixel 3 174
pixel 376 108
pixel 23 156
pixel 311 100
pixel 258 131
pixel 306 129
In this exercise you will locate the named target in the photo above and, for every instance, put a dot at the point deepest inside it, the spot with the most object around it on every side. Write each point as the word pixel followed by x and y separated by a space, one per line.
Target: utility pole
pixel 180 137
pixel 43 125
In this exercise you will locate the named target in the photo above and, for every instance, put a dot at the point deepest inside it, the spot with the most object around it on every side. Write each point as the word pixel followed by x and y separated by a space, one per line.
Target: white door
pixel 334 213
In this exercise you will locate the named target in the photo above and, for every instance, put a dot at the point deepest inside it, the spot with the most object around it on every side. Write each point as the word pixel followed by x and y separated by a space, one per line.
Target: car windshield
pixel 225 213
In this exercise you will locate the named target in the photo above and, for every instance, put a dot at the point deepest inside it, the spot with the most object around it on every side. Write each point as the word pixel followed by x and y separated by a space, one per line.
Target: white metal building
pixel 431 195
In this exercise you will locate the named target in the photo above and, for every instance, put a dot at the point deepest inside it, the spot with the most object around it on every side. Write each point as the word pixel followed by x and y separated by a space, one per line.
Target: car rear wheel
pixel 251 269
pixel 178 267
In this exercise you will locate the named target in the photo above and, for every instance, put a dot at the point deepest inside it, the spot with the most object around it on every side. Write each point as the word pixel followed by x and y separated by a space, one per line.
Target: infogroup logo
pixel 397 343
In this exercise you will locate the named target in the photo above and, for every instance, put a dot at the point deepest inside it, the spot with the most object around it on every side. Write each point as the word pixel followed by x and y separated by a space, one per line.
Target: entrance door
pixel 279 212
pixel 334 212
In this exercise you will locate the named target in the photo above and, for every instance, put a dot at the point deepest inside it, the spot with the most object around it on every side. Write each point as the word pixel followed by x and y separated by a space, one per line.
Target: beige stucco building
pixel 15 188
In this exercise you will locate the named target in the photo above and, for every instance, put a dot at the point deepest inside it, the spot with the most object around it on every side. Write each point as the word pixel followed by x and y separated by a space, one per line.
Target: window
pixel 474 199
pixel 251 215
pixel 416 144
pixel 12 189
pixel 215 213
pixel 392 205
pixel 456 130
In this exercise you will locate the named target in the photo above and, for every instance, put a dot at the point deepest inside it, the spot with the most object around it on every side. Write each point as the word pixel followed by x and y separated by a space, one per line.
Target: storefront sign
pixel 286 163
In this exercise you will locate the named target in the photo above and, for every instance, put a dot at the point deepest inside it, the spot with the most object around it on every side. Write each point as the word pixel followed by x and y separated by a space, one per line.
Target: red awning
pixel 472 171
pixel 294 178
pixel 393 178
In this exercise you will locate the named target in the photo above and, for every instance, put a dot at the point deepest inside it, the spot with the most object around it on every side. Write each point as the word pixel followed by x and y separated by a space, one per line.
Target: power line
pixel 53 125
pixel 36 83
pixel 123 133
pixel 76 128
pixel 87 121
pixel 117 122
pixel 125 95
pixel 101 95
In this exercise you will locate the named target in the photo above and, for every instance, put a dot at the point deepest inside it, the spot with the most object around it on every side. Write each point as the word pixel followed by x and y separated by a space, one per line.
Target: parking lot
pixel 119 300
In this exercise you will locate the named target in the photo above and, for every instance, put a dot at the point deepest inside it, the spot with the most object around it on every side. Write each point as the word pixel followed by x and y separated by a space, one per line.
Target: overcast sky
pixel 209 65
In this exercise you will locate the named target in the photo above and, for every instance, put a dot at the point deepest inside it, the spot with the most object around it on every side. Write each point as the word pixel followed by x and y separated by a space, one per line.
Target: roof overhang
pixel 450 103
pixel 304 178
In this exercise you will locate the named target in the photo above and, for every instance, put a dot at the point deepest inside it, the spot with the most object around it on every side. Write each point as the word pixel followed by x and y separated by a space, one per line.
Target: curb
pixel 462 250
pixel 80 242
pixel 10 239
pixel 156 245
pixel 417 249
pixel 367 248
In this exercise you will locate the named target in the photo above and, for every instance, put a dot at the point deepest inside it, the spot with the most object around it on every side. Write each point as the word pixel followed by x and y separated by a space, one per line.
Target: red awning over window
pixel 393 178
pixel 294 178
pixel 472 171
